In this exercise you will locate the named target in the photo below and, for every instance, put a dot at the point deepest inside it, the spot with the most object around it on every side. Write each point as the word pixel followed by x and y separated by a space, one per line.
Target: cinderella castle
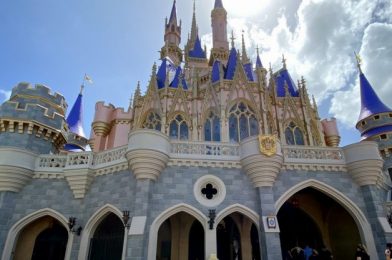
pixel 221 158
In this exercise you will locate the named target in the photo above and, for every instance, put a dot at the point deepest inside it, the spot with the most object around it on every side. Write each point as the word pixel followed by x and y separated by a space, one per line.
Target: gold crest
pixel 267 144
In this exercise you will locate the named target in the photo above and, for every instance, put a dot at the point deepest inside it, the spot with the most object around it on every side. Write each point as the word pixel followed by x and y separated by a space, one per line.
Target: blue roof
pixel 72 148
pixel 218 4
pixel 173 14
pixel 197 51
pixel 215 71
pixel 249 71
pixel 176 80
pixel 75 117
pixel 231 64
pixel 370 103
pixel 166 66
pixel 376 131
pixel 258 62
pixel 282 77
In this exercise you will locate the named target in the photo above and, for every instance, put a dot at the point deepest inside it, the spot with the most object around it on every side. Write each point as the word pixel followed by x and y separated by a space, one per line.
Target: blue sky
pixel 116 43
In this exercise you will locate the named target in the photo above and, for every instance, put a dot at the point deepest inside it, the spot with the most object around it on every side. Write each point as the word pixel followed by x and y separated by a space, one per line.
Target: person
pixel 308 251
pixel 388 251
pixel 297 253
pixel 361 253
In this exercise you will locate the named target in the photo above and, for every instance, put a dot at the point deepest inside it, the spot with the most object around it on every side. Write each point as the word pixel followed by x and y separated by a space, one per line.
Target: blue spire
pixel 75 117
pixel 218 4
pixel 173 14
pixel 370 103
pixel 176 81
pixel 283 78
pixel 248 71
pixel 197 51
pixel 215 75
pixel 231 64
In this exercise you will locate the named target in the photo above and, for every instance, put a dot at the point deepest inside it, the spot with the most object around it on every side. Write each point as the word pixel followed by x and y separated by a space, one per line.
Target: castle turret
pixel 77 140
pixel 172 37
pixel 31 123
pixel 375 119
pixel 220 45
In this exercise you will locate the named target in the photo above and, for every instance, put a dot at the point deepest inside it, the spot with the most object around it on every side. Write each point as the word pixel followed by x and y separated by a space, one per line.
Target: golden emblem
pixel 267 144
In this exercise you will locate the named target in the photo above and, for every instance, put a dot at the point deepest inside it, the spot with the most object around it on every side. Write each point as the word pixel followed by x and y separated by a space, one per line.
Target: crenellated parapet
pixel 110 127
pixel 33 119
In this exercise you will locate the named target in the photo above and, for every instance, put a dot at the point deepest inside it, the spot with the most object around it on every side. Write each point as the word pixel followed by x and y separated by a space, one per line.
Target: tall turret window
pixel 153 121
pixel 242 122
pixel 212 128
pixel 294 135
pixel 179 128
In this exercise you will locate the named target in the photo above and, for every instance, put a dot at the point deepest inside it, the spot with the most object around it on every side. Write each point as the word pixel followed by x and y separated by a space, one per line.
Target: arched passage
pixel 181 236
pixel 237 233
pixel 97 222
pixel 322 206
pixel 46 225
pixel 157 224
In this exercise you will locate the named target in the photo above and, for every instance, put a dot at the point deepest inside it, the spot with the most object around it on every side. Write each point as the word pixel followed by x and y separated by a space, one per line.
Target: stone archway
pixel 319 205
pixel 237 233
pixel 38 221
pixel 181 236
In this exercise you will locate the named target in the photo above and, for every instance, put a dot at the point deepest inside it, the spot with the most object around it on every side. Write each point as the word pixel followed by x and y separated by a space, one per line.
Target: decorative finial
pixel 81 89
pixel 270 68
pixel 284 61
pixel 232 39
pixel 359 61
pixel 257 50
pixel 244 56
pixel 154 68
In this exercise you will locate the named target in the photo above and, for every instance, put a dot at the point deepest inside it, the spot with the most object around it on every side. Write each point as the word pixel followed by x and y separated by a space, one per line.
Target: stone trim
pixel 252 215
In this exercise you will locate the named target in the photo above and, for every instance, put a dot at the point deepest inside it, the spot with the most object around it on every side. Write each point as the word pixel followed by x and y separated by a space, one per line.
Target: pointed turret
pixel 258 60
pixel 172 37
pixel 283 80
pixel 245 58
pixel 220 45
pixel 194 29
pixel 194 50
pixel 77 140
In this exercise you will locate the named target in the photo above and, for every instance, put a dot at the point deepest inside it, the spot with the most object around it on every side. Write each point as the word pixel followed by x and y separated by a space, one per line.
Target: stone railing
pixel 179 148
pixel 312 158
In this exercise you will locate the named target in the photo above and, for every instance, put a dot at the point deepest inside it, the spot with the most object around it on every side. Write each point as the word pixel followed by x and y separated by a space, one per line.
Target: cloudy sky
pixel 116 43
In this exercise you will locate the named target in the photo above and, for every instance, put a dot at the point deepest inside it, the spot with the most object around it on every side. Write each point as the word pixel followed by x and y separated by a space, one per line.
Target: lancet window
pixel 179 128
pixel 242 122
pixel 153 121
pixel 294 135
pixel 212 128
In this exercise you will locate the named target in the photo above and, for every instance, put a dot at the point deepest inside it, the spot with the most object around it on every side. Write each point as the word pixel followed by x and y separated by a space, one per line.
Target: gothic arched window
pixel 294 135
pixel 242 122
pixel 153 121
pixel 212 128
pixel 178 128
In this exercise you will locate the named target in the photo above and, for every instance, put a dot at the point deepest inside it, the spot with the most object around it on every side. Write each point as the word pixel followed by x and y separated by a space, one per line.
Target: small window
pixel 363 123
pixel 376 117
pixel 383 137
pixel 390 115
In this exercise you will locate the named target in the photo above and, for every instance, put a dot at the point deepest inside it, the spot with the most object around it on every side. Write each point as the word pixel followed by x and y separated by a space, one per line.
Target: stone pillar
pixel 263 171
pixel 210 241
pixel 364 164
pixel 147 154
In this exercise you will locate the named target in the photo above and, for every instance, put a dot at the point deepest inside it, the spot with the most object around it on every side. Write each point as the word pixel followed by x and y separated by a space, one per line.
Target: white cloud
pixel 320 46
pixel 4 95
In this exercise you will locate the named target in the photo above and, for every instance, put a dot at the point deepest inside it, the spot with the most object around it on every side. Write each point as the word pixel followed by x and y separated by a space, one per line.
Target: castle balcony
pixel 186 153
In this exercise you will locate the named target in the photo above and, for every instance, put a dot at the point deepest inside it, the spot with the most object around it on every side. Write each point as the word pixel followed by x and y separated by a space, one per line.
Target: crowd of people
pixel 307 253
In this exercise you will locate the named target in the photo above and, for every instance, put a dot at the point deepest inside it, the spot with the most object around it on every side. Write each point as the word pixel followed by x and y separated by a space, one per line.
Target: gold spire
pixel 232 39
pixel 244 56
pixel 359 61
pixel 284 61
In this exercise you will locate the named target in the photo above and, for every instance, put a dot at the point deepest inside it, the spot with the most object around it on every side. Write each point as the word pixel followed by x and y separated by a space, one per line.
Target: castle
pixel 221 158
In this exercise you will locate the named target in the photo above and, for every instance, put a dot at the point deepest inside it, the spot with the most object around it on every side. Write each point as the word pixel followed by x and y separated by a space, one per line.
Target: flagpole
pixel 82 86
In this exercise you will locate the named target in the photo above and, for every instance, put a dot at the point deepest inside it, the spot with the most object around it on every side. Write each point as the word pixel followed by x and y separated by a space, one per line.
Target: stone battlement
pixel 42 93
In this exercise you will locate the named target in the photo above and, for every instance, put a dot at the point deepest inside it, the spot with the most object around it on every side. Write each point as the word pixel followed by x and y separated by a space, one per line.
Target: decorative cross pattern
pixel 209 191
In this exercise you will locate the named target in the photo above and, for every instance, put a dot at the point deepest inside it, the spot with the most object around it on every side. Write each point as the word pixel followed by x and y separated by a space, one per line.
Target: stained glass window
pixel 242 122
pixel 153 121
pixel 294 135
pixel 179 128
pixel 212 128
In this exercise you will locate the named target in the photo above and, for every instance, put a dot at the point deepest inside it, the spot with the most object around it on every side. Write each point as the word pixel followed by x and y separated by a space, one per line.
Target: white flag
pixel 88 79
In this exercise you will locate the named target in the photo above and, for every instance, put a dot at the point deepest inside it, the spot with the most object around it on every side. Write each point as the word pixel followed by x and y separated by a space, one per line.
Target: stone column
pixel 263 171
pixel 147 155
pixel 364 164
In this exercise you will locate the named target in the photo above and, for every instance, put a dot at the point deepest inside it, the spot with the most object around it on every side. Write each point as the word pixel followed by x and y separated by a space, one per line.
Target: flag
pixel 88 79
